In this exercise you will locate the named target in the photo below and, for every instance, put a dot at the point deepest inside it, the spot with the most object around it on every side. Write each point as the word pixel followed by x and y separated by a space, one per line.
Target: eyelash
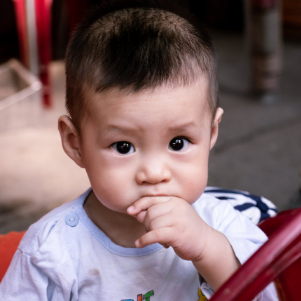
pixel 126 148
pixel 185 144
pixel 125 145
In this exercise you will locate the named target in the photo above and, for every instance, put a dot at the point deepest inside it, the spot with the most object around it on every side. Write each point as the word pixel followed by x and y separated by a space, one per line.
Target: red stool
pixel 33 23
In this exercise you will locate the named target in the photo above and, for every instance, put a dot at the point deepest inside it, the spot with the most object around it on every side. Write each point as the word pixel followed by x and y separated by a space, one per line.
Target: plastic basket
pixel 20 96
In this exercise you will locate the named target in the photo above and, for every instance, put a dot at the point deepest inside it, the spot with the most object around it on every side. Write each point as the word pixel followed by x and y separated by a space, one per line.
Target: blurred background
pixel 258 43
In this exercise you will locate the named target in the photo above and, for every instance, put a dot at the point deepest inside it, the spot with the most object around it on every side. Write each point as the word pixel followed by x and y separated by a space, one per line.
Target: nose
pixel 153 172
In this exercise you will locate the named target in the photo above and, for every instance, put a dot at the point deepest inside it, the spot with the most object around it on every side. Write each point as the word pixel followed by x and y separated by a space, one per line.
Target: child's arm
pixel 172 221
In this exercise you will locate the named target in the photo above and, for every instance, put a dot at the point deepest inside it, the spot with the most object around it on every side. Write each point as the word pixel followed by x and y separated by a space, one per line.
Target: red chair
pixel 278 260
pixel 8 246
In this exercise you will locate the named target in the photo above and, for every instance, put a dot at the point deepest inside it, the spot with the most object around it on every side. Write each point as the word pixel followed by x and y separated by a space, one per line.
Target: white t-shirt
pixel 64 256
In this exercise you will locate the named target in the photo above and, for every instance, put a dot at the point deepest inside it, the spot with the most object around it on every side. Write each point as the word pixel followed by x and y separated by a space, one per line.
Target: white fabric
pixel 71 259
pixel 256 208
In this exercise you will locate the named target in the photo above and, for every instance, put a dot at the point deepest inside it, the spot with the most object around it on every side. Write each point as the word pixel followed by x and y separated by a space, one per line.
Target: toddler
pixel 143 117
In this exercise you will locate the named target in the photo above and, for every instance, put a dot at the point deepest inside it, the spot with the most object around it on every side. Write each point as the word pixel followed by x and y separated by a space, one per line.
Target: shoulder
pixel 213 211
pixel 255 207
pixel 243 235
pixel 222 216
pixel 50 225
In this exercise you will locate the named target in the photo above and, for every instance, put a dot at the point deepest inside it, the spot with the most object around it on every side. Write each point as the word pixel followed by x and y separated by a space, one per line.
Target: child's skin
pixel 143 196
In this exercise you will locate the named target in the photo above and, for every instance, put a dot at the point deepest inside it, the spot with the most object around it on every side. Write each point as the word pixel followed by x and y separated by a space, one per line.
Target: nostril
pixel 152 178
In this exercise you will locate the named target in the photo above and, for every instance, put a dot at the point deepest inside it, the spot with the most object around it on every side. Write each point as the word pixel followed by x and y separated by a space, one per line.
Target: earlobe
pixel 70 139
pixel 214 131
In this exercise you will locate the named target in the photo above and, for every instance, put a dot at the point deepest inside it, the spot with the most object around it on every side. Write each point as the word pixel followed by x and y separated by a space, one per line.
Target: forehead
pixel 167 98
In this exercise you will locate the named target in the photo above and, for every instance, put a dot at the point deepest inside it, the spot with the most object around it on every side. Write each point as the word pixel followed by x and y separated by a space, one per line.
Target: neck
pixel 121 228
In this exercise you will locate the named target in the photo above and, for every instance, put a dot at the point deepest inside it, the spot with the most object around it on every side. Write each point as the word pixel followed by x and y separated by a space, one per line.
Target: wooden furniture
pixel 291 17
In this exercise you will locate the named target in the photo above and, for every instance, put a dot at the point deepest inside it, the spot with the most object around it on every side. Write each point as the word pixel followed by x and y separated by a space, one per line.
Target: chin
pixel 118 209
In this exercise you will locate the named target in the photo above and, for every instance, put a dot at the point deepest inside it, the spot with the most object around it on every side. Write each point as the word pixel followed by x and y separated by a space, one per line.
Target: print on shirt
pixel 202 297
pixel 141 297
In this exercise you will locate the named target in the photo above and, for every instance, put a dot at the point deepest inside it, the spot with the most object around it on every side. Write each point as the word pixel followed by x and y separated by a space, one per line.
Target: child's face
pixel 148 143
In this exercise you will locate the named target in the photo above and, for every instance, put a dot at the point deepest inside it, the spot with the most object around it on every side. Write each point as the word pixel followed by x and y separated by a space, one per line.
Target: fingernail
pixel 131 208
pixel 137 243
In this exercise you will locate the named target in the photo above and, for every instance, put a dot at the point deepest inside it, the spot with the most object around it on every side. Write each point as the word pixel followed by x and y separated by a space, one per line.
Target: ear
pixel 70 139
pixel 214 130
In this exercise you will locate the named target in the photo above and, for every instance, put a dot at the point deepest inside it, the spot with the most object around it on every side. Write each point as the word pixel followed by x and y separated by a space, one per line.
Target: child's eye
pixel 178 144
pixel 123 147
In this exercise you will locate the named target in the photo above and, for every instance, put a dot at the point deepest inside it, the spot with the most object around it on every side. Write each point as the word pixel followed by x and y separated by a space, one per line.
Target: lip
pixel 154 195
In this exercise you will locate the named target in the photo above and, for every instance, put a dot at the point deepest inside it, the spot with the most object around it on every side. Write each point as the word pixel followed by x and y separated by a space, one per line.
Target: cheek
pixel 103 167
pixel 194 179
pixel 112 183
pixel 196 187
pixel 111 192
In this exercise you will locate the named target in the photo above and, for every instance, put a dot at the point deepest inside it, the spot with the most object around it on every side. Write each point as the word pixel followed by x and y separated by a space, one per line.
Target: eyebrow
pixel 119 129
pixel 181 127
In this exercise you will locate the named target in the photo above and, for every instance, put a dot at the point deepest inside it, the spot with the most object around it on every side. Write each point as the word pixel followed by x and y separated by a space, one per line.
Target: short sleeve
pixel 23 281
pixel 244 237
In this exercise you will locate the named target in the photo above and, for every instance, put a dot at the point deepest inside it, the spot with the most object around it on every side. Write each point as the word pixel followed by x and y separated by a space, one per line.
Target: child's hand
pixel 173 222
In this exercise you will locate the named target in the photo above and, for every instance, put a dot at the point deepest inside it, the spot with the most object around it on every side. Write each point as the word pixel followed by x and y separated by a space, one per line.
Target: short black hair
pixel 136 45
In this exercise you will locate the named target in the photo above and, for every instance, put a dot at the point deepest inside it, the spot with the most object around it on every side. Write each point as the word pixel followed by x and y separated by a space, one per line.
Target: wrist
pixel 207 244
pixel 217 262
